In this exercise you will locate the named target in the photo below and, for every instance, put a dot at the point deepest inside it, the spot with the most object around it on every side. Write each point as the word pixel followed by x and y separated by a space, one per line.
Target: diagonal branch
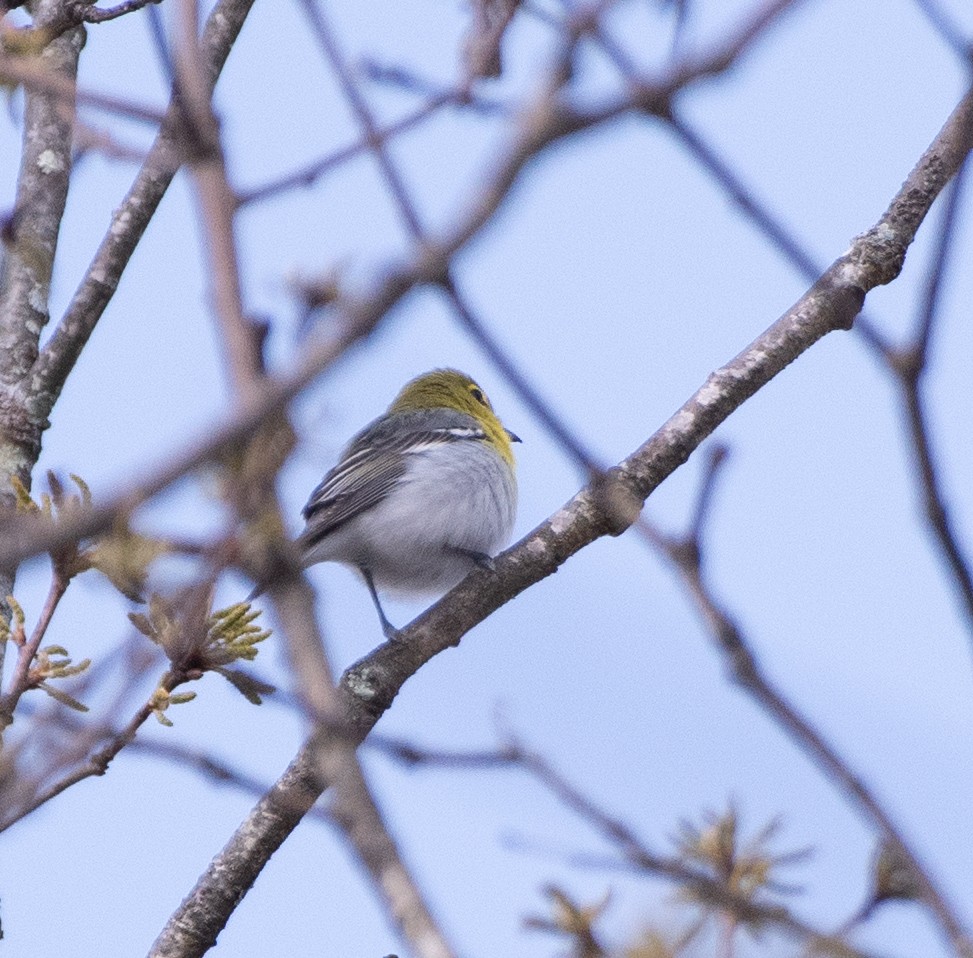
pixel 369 687
pixel 357 814
pixel 308 175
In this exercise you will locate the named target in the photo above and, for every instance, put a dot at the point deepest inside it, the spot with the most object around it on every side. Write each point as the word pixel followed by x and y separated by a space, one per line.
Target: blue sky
pixel 618 276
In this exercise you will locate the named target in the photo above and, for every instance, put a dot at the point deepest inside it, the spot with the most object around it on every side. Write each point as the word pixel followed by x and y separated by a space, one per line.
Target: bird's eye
pixel 477 394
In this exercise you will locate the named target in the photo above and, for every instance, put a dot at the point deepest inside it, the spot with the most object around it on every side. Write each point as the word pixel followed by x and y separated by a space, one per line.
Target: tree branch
pixel 20 680
pixel 129 222
pixel 28 261
pixel 357 814
pixel 686 554
pixel 217 204
pixel 370 686
pixel 89 13
pixel 909 365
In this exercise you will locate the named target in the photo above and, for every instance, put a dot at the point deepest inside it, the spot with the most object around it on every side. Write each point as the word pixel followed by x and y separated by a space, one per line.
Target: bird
pixel 421 496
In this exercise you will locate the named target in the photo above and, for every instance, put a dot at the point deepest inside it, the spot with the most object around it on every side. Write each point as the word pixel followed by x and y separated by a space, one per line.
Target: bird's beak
pixel 512 436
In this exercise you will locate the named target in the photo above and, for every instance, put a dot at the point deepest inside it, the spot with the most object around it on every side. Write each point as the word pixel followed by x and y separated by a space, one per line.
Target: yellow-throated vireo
pixel 421 495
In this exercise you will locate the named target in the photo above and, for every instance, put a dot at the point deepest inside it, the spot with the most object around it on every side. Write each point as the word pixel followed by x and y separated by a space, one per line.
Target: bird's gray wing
pixel 373 464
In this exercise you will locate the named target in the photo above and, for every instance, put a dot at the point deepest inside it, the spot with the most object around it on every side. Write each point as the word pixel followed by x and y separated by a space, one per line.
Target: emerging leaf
pixel 249 687
pixel 24 502
pixel 69 700
pixel 162 698
pixel 197 640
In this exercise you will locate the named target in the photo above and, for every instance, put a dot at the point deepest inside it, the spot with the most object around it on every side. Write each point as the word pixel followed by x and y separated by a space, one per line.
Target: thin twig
pixel 92 14
pixel 724 56
pixel 411 82
pixel 308 175
pixel 213 769
pixel 686 554
pixel 96 764
pixel 513 754
pixel 20 680
pixel 910 365
pixel 328 42
pixel 948 29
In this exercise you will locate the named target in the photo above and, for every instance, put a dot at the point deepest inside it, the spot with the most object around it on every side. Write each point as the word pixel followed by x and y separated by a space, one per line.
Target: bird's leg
pixel 389 630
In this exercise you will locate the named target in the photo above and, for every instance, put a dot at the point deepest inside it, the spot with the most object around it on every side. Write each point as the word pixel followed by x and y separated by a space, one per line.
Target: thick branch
pixel 42 191
pixel 28 261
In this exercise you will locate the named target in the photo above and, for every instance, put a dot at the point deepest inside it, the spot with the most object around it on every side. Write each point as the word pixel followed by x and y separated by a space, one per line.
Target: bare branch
pixel 328 42
pixel 217 204
pixel 733 186
pixel 128 224
pixel 488 24
pixel 947 29
pixel 92 14
pixel 909 365
pixel 748 32
pixel 212 768
pixel 409 81
pixel 356 812
pixel 309 175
